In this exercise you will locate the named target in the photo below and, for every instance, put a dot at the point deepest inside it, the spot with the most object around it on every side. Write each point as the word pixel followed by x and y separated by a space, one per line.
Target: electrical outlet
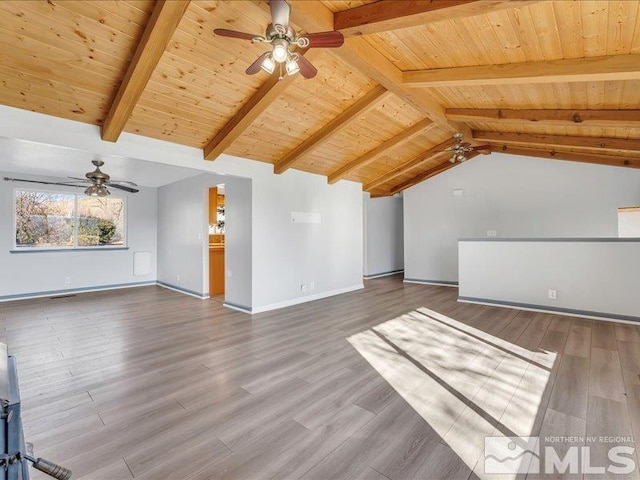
pixel 177 278
pixel 312 286
pixel 303 288
pixel 553 294
pixel 67 280
pixel 492 233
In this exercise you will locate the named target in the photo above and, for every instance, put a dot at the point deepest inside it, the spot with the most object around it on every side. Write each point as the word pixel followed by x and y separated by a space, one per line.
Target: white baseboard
pixel 308 298
pixel 74 291
pixel 431 282
pixel 383 274
pixel 550 310
pixel 237 308
pixel 191 293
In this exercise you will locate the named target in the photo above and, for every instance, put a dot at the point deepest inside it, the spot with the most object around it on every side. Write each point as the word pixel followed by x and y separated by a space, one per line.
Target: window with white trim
pixel 55 220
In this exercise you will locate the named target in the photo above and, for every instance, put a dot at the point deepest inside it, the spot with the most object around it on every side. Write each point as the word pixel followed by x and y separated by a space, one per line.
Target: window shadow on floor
pixel 467 384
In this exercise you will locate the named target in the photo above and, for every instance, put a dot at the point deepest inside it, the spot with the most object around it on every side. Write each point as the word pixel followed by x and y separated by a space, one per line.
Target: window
pixel 52 220
pixel 629 222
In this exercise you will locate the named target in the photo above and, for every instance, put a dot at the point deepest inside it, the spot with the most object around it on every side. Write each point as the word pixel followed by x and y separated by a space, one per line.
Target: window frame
pixel 75 247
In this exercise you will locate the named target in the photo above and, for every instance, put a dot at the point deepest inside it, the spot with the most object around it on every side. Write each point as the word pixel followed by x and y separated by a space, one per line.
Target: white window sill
pixel 70 249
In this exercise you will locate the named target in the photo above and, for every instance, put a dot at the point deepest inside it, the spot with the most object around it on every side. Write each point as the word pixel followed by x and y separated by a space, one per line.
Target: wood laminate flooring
pixel 397 381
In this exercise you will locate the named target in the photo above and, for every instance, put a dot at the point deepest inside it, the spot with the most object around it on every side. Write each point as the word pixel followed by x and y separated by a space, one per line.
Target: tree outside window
pixel 61 220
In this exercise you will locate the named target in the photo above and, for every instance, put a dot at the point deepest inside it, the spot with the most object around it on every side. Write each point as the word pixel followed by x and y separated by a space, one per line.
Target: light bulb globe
pixel 91 191
pixel 268 65
pixel 280 51
pixel 292 66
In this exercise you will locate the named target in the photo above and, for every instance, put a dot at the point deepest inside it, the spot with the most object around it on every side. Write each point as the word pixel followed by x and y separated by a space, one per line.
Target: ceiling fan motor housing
pixel 97 176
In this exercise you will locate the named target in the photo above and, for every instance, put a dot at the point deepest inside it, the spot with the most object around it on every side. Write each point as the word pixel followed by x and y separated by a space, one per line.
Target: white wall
pixel 284 255
pixel 383 235
pixel 287 255
pixel 40 272
pixel 517 197
pixel 595 277
pixel 183 220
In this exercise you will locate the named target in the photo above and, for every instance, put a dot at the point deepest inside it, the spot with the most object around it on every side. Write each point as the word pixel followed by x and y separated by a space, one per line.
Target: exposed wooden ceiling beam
pixel 162 24
pixel 611 67
pixel 314 16
pixel 612 160
pixel 590 118
pixel 415 162
pixel 266 94
pixel 361 106
pixel 590 143
pixel 432 172
pixel 374 153
pixel 380 194
pixel 387 15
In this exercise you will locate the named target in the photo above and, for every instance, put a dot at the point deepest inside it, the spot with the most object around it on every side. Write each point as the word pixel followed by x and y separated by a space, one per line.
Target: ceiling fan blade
pixel 120 182
pixel 280 11
pixel 255 66
pixel 223 32
pixel 86 180
pixel 486 147
pixel 41 182
pixel 324 39
pixel 307 70
pixel 122 187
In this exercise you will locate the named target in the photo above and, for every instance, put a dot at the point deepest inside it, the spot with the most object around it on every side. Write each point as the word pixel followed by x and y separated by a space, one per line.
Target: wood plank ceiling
pixel 553 79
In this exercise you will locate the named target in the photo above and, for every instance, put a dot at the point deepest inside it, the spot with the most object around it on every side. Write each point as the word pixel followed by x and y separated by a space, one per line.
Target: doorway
pixel 217 241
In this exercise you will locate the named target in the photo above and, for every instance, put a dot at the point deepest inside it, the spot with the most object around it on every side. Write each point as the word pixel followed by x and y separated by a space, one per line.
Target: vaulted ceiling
pixel 553 79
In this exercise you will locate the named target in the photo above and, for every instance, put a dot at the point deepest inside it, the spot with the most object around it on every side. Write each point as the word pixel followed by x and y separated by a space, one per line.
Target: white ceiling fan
pixel 98 182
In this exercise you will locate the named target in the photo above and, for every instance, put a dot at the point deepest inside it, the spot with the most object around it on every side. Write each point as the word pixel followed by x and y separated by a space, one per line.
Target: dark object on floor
pixel 14 456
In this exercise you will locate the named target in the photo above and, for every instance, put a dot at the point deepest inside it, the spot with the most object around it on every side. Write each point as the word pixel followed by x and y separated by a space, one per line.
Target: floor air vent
pixel 62 296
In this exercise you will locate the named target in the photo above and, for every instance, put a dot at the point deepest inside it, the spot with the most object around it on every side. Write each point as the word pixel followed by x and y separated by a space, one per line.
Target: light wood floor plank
pixel 571 388
pixel 578 341
pixel 604 335
pixel 605 378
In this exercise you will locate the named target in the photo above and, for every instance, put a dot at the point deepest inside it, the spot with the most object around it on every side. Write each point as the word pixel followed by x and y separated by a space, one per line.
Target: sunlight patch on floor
pixel 465 383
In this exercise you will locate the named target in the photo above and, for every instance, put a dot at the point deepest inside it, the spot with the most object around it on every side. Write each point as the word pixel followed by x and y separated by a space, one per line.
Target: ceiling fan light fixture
pixel 97 191
pixel 292 65
pixel 280 51
pixel 268 65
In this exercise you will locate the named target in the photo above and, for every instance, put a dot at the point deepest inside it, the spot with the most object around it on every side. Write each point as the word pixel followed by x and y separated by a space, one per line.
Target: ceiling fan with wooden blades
pixel 282 38
pixel 460 149
pixel 98 182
